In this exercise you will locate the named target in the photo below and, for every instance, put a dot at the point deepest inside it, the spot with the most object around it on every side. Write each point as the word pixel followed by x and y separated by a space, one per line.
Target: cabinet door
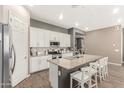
pixel 44 64
pixel 68 42
pixel 62 40
pixel 65 40
pixel 34 64
pixel 53 36
pixel 47 38
pixel 33 37
pixel 40 35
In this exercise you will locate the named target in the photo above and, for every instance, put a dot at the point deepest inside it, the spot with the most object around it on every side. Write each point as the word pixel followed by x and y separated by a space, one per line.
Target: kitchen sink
pixel 73 57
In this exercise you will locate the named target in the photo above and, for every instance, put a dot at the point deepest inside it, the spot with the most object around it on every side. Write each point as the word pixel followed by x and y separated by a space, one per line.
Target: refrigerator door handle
pixel 14 62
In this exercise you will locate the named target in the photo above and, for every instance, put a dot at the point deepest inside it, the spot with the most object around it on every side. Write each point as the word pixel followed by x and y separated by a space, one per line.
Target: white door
pixel 20 43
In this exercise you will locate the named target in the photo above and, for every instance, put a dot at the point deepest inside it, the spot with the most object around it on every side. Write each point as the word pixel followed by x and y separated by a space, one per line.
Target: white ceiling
pixel 93 17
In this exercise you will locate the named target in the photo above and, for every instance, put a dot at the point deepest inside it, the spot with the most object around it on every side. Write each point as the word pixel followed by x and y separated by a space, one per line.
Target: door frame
pixel 122 45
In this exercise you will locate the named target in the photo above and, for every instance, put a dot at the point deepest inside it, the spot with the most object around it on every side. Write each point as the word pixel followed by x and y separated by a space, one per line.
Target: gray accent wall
pixel 1 13
pixel 43 25
pixel 75 33
pixel 123 43
pixel 105 42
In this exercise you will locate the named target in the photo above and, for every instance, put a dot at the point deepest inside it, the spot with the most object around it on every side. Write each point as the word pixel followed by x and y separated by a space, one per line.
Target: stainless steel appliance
pixel 54 44
pixel 55 54
pixel 4 56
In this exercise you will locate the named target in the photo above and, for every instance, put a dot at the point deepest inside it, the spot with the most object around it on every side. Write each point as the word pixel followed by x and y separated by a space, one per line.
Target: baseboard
pixel 114 64
pixel 28 75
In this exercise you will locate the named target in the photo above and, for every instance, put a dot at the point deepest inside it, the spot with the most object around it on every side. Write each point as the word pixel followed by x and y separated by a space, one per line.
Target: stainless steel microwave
pixel 54 44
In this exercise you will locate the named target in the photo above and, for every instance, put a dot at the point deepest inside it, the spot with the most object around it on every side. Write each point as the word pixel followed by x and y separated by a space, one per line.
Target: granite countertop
pixel 71 62
pixel 41 55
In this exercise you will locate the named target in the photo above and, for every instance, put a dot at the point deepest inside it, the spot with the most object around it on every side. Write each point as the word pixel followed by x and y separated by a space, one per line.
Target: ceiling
pixel 84 17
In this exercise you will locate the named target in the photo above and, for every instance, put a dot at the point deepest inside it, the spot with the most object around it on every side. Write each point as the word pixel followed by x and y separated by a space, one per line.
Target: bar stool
pixel 82 77
pixel 101 70
pixel 106 67
pixel 93 74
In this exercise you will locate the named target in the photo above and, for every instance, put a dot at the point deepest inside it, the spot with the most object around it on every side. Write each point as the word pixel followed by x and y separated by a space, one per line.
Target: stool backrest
pixel 106 60
pixel 85 71
pixel 103 61
pixel 93 66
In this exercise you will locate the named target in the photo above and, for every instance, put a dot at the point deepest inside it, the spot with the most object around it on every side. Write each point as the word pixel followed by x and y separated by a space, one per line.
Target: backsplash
pixel 39 51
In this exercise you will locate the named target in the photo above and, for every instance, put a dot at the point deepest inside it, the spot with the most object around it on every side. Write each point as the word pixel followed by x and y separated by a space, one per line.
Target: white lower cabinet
pixel 39 63
pixel 34 64
pixel 53 75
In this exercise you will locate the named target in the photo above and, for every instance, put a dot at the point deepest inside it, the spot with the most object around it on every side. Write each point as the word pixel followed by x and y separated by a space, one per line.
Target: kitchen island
pixel 60 69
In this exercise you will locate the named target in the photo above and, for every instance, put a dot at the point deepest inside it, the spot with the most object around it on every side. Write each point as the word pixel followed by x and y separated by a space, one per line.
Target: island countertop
pixel 71 62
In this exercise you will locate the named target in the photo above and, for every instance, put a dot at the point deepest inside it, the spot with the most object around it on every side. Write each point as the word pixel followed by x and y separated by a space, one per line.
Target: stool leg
pixel 104 73
pixel 100 75
pixel 82 84
pixel 96 80
pixel 90 83
pixel 107 70
pixel 71 83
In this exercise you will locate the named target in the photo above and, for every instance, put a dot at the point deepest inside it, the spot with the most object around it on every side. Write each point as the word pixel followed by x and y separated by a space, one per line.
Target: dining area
pixel 85 71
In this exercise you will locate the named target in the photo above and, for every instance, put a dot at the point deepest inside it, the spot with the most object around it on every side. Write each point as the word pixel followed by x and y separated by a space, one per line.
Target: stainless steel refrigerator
pixel 4 56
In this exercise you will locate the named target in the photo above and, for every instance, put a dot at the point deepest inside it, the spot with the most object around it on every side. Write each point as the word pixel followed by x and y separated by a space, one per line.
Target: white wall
pixel 18 10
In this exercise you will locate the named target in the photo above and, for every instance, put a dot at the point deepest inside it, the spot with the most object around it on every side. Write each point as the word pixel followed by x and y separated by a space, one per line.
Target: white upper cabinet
pixel 36 37
pixel 33 37
pixel 68 41
pixel 62 40
pixel 65 40
pixel 53 36
pixel 41 38
pixel 47 38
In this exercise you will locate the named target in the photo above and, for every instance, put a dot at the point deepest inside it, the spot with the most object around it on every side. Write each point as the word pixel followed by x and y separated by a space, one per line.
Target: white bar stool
pixel 106 67
pixel 93 74
pixel 81 77
pixel 101 69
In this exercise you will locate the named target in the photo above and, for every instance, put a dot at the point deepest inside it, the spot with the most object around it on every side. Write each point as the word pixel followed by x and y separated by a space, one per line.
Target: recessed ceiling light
pixel 61 16
pixel 115 11
pixel 119 20
pixel 76 24
pixel 86 28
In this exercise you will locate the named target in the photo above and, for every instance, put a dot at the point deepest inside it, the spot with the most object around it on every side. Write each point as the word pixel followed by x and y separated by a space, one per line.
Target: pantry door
pixel 19 39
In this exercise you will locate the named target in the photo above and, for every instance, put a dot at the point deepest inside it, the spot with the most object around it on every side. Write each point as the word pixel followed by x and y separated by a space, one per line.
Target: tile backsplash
pixel 38 51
